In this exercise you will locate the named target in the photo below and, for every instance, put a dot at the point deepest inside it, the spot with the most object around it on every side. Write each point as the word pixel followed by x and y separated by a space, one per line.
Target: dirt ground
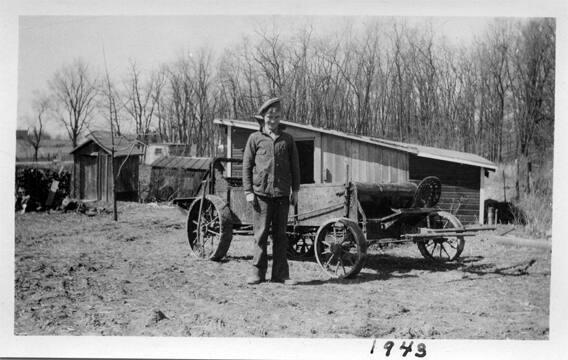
pixel 81 275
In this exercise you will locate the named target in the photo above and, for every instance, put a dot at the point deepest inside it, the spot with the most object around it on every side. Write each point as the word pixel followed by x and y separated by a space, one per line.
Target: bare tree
pixel 532 85
pixel 41 106
pixel 111 105
pixel 74 92
pixel 142 98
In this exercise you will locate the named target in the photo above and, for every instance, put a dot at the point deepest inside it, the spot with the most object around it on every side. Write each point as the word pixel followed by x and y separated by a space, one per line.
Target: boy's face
pixel 272 118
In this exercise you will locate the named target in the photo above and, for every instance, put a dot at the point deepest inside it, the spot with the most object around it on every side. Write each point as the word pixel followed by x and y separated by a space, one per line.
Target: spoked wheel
pixel 442 249
pixel 212 238
pixel 428 192
pixel 340 248
pixel 301 246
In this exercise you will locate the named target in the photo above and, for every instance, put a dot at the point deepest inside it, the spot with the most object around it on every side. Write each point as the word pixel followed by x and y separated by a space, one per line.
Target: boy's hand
pixel 294 198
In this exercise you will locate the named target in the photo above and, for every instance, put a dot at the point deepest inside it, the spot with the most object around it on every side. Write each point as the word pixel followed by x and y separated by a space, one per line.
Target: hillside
pixel 49 149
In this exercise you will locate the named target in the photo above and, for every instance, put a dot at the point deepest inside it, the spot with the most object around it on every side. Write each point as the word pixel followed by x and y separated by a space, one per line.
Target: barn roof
pixel 182 162
pixel 124 145
pixel 418 150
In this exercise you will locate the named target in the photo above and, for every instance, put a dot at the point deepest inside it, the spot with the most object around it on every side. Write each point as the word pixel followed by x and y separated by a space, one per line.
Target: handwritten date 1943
pixel 404 348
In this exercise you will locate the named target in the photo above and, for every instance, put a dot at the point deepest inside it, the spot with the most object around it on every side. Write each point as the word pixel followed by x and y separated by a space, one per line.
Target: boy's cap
pixel 267 105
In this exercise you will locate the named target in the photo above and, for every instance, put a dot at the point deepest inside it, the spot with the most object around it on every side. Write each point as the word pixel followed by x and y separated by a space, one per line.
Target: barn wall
pixel 367 162
pixel 460 185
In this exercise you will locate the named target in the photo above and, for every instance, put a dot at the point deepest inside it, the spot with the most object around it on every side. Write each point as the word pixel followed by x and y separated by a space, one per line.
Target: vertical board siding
pixel 239 139
pixel 460 185
pixel 93 175
pixel 367 162
pixel 90 183
pixel 317 159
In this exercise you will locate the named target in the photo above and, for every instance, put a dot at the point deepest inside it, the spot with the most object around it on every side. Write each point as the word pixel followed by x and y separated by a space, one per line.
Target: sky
pixel 46 43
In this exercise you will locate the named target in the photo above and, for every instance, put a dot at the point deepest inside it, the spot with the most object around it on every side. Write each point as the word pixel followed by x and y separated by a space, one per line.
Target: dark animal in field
pixel 507 212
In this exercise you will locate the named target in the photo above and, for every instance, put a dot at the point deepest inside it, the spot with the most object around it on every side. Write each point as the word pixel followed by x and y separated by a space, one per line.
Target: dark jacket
pixel 271 167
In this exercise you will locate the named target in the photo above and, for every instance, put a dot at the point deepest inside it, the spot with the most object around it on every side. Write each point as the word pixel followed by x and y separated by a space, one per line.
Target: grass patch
pixel 536 205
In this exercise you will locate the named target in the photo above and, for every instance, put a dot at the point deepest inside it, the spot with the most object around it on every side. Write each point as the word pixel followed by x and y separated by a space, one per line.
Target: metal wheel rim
pixel 444 248
pixel 337 250
pixel 210 229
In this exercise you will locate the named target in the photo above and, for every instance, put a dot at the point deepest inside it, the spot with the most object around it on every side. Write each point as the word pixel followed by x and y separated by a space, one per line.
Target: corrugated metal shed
pixel 182 162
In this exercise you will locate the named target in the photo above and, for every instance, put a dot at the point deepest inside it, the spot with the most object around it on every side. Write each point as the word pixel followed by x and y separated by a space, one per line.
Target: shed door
pixel 306 155
pixel 89 178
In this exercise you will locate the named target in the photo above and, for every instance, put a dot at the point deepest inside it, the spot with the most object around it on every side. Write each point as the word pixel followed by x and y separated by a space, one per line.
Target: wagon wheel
pixel 301 246
pixel 340 248
pixel 215 228
pixel 447 248
pixel 428 192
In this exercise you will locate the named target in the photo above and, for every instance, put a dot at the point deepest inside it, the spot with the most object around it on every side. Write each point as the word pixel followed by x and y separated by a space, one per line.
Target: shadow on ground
pixel 387 267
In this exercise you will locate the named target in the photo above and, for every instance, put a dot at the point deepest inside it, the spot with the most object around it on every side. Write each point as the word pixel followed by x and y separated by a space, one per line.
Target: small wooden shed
pixel 92 167
pixel 325 156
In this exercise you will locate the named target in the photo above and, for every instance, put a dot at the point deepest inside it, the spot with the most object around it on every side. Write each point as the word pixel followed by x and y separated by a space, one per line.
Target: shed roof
pixel 124 145
pixel 418 150
pixel 182 162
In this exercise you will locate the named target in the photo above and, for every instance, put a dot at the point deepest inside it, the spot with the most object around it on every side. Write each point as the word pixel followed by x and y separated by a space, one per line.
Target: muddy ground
pixel 81 275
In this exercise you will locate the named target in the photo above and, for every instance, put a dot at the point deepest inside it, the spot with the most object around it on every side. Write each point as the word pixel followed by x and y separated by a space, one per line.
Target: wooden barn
pixel 92 167
pixel 325 156
pixel 177 176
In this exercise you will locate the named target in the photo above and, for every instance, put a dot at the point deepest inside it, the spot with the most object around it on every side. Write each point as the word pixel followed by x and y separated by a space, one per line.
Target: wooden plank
pixel 393 167
pixel 339 147
pixel 462 207
pixel 375 157
pixel 318 159
pixel 468 194
pixel 90 171
pixel 403 158
pixel 356 163
pixel 461 211
pixel 317 196
pixel 467 219
pixel 369 166
pixel 348 158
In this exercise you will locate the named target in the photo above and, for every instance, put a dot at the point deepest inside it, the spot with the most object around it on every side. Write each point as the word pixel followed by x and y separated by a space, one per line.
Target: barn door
pixel 89 180
pixel 306 155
